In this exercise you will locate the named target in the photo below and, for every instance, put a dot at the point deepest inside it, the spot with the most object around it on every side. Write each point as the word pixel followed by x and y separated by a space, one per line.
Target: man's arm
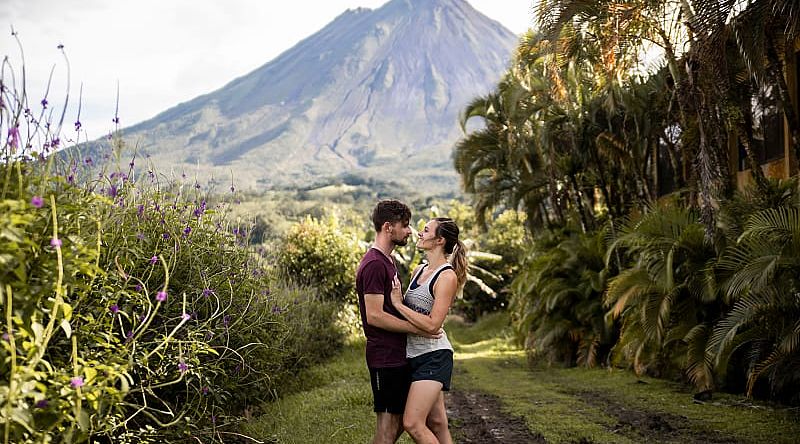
pixel 376 317
pixel 444 293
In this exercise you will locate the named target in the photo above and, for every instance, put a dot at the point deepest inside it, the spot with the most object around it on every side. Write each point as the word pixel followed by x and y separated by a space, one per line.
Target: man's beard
pixel 400 242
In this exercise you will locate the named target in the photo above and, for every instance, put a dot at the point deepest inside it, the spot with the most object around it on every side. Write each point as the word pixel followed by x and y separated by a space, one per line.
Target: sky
pixel 163 52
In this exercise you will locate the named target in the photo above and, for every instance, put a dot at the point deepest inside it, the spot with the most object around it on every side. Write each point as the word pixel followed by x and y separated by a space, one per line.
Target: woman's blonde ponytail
pixel 458 259
pixel 448 229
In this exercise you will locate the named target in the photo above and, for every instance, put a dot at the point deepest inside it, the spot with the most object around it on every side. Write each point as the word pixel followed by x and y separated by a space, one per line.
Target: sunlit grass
pixel 335 405
pixel 551 402
pixel 332 403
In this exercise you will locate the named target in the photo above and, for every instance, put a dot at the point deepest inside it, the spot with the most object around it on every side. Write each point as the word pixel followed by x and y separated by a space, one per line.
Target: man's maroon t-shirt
pixel 374 276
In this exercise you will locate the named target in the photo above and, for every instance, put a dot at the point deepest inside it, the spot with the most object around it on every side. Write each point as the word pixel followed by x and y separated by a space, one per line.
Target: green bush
pixel 151 320
pixel 319 253
pixel 557 306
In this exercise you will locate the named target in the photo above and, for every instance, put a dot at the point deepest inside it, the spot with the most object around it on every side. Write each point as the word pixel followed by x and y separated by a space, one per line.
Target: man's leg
pixel 437 421
pixel 421 399
pixel 388 428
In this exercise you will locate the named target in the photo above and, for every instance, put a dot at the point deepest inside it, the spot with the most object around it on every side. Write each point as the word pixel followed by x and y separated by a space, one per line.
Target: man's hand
pixel 397 292
pixel 437 335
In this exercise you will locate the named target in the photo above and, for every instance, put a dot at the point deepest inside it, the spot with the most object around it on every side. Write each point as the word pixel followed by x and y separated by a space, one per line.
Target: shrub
pixel 317 252
pixel 557 306
pixel 133 311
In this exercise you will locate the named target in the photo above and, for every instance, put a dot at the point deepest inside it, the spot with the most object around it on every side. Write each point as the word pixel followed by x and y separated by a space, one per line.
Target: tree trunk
pixel 755 168
pixel 576 192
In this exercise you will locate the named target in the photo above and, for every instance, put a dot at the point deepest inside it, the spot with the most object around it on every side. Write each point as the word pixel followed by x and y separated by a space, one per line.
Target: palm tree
pixel 557 300
pixel 759 277
pixel 662 298
pixel 500 164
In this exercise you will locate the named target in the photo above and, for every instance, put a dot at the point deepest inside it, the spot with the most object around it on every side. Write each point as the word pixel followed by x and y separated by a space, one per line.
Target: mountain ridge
pixel 376 91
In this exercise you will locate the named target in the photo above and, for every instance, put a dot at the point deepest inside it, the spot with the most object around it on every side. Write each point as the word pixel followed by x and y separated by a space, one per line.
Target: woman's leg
pixel 421 400
pixel 437 421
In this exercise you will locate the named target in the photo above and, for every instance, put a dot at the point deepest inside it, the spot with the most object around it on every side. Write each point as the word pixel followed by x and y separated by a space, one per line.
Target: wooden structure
pixel 771 129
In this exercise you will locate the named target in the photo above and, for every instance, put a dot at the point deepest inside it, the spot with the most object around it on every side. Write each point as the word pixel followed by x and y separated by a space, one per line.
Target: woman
pixel 433 288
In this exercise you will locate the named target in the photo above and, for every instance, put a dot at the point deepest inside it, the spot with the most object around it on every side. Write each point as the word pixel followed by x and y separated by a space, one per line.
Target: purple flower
pixel 55 242
pixel 132 163
pixel 165 235
pixel 6 337
pixel 42 403
pixel 114 309
pixel 204 390
pixel 186 316
pixel 44 103
pixel 187 230
pixel 140 236
pixel 129 335
pixel 13 137
pixel 76 382
pixel 207 292
pixel 226 320
pixel 137 288
pixel 276 309
pixel 153 260
pixel 161 296
pixel 37 201
pixel 183 367
pixel 112 192
pixel 233 189
pixel 78 125
pixel 88 161
pixel 71 179
pixel 115 119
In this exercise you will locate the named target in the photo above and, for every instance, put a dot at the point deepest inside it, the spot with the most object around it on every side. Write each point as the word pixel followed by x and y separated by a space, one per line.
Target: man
pixel 383 326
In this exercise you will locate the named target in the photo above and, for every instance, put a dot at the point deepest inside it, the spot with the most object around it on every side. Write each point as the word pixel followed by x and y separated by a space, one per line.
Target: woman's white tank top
pixel 419 297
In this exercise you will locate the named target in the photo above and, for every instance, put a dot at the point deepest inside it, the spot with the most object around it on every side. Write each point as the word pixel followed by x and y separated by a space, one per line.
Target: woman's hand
pixel 397 291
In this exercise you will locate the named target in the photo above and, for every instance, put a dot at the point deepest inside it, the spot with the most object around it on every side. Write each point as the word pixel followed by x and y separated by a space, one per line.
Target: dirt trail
pixel 651 425
pixel 478 418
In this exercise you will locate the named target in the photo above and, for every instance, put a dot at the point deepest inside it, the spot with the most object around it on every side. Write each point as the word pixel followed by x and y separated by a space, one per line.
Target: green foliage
pixel 151 319
pixel 662 296
pixel 575 135
pixel 759 277
pixel 134 310
pixel 494 261
pixel 317 252
pixel 557 307
pixel 40 283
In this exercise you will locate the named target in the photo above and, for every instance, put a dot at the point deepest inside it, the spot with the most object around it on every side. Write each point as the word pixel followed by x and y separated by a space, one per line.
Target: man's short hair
pixel 391 211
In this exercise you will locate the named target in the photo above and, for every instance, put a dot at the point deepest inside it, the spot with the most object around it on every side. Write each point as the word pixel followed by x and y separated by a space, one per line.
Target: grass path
pixel 562 405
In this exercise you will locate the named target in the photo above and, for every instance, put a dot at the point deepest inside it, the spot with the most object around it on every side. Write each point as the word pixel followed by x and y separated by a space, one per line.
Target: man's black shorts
pixel 390 388
pixel 433 366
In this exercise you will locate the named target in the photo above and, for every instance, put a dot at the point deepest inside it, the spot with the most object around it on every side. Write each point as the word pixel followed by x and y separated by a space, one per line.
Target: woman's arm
pixel 444 290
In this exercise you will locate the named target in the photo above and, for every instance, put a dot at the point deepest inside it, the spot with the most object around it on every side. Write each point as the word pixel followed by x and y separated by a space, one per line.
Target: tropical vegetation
pixel 618 130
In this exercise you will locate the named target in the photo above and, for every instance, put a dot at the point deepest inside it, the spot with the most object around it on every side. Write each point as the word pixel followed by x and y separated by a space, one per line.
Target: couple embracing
pixel 409 357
